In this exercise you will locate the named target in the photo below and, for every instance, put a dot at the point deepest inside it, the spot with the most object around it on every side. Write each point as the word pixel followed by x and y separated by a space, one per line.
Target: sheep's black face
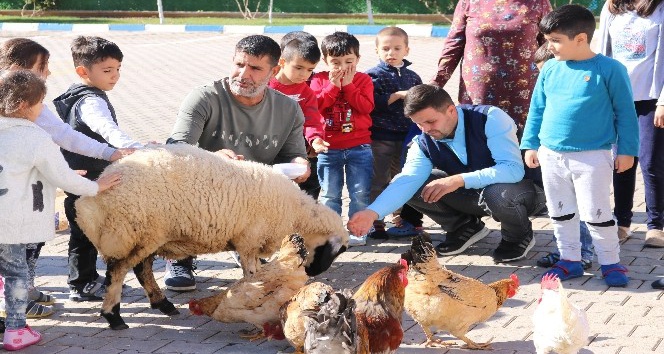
pixel 324 256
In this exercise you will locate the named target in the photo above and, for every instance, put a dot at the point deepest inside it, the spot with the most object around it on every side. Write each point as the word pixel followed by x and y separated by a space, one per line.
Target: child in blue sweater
pixel 582 103
pixel 391 79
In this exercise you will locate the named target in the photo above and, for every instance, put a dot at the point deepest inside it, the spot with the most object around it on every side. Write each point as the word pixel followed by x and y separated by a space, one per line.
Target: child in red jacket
pixel 345 99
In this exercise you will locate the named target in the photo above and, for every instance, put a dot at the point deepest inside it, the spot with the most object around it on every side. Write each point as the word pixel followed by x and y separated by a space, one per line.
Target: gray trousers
pixel 508 203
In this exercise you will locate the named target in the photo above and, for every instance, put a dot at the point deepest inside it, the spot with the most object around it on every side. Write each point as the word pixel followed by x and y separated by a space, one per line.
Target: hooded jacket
pixel 31 167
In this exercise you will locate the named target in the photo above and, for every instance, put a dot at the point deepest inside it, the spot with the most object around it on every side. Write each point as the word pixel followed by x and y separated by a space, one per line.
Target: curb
pixel 413 30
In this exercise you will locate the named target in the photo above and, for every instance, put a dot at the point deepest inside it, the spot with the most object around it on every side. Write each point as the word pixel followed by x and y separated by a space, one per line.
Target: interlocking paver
pixel 158 71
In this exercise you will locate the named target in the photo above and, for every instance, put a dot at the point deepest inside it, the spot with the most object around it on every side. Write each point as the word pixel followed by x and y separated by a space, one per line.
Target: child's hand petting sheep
pixel 107 181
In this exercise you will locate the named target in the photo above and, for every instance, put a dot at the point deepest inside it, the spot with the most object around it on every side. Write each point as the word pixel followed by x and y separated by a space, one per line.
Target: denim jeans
pixel 386 164
pixel 508 203
pixel 357 162
pixel 14 268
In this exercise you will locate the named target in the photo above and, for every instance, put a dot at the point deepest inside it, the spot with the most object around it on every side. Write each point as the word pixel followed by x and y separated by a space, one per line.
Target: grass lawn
pixel 294 21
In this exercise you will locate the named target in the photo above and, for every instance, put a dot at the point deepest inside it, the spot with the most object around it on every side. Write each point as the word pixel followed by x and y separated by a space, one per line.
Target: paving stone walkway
pixel 159 69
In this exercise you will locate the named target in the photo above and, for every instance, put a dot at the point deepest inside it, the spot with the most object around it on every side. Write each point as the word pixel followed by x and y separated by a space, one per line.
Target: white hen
pixel 558 325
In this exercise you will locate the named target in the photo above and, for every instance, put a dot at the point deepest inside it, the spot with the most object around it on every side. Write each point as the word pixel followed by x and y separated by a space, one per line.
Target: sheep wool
pixel 179 200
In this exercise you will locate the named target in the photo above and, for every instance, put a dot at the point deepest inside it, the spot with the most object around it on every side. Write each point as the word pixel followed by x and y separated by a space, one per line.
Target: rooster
pixel 379 306
pixel 558 325
pixel 308 299
pixel 439 299
pixel 256 299
pixel 333 328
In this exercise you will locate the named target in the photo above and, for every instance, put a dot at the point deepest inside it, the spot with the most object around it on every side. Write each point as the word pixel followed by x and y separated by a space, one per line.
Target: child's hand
pixel 120 153
pixel 399 95
pixel 319 145
pixel 229 154
pixel 531 159
pixel 348 75
pixel 335 77
pixel 107 181
pixel 81 172
pixel 624 163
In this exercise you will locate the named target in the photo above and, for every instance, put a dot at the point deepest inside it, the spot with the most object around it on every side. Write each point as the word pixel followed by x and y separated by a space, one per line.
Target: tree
pixel 245 9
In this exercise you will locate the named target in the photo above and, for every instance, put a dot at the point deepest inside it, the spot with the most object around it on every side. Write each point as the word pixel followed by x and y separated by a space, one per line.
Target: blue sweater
pixel 501 139
pixel 388 121
pixel 582 105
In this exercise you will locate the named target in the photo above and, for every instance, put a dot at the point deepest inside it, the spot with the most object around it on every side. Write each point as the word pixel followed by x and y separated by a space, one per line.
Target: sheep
pixel 178 200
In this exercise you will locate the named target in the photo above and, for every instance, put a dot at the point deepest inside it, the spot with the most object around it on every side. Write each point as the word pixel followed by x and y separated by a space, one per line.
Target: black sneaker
pixel 92 291
pixel 512 251
pixel 457 241
pixel 180 275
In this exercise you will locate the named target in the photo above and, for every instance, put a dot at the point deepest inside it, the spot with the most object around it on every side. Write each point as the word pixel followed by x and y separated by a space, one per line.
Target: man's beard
pixel 251 91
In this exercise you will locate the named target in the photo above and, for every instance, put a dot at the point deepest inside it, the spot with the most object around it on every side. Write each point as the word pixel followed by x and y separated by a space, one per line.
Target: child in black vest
pixel 87 109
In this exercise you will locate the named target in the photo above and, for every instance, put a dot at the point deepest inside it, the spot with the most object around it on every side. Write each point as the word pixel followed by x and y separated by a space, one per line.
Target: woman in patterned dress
pixel 495 41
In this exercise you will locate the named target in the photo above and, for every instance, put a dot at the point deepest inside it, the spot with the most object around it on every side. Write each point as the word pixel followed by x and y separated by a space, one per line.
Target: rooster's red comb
pixel 515 279
pixel 550 281
pixel 404 263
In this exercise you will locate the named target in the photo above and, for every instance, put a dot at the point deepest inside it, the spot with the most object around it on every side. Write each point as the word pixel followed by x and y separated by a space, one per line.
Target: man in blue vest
pixel 466 165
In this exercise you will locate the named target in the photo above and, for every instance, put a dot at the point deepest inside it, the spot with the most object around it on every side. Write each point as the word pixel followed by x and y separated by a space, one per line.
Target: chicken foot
pixel 434 342
pixel 252 335
pixel 474 346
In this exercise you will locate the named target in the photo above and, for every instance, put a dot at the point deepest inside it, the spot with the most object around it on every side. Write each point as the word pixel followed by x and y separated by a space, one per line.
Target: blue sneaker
pixel 180 275
pixel 566 270
pixel 615 275
pixel 405 230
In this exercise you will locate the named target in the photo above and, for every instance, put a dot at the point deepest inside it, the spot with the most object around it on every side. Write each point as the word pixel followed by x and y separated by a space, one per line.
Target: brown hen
pixel 379 307
pixel 439 299
pixel 256 299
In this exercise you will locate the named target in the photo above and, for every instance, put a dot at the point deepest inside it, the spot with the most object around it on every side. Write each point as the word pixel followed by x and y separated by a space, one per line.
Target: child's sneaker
pixel 615 274
pixel 17 339
pixel 406 229
pixel 357 240
pixel 566 270
pixel 92 291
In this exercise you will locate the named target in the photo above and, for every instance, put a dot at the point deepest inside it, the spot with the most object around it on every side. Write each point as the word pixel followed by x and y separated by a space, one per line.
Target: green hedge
pixel 338 6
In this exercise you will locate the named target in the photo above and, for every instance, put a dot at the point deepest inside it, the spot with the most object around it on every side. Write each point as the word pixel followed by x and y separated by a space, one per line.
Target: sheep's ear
pixel 324 256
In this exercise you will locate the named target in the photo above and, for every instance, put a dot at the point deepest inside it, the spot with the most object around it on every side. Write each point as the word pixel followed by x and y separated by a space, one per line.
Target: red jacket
pixel 345 110
pixel 314 126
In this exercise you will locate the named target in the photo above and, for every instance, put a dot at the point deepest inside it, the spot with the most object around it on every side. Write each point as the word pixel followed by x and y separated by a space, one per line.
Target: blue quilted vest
pixel 477 150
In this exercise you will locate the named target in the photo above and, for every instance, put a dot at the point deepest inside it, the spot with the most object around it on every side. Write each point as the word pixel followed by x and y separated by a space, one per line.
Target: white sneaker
pixel 357 240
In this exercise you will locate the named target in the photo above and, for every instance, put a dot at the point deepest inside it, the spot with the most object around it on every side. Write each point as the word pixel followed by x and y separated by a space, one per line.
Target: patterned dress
pixel 495 40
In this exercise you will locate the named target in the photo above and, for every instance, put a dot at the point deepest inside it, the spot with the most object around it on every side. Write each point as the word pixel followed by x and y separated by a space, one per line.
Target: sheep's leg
pixel 145 276
pixel 110 308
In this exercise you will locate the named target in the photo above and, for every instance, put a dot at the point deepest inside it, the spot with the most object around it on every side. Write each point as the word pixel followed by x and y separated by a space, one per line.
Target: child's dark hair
pixel 24 53
pixel 304 49
pixel 301 35
pixel 87 50
pixel 392 31
pixel 425 96
pixel 569 20
pixel 18 87
pixel 542 54
pixel 339 44
pixel 259 46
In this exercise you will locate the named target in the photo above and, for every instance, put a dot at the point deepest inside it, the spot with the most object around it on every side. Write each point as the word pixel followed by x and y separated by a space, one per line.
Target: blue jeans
pixel 587 251
pixel 15 270
pixel 358 164
pixel 652 163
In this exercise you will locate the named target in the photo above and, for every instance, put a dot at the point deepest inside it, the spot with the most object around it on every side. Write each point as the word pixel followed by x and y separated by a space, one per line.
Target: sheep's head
pixel 325 254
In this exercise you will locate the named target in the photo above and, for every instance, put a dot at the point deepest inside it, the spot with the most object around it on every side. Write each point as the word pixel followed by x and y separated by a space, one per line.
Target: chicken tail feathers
pixel 333 327
pixel 421 249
